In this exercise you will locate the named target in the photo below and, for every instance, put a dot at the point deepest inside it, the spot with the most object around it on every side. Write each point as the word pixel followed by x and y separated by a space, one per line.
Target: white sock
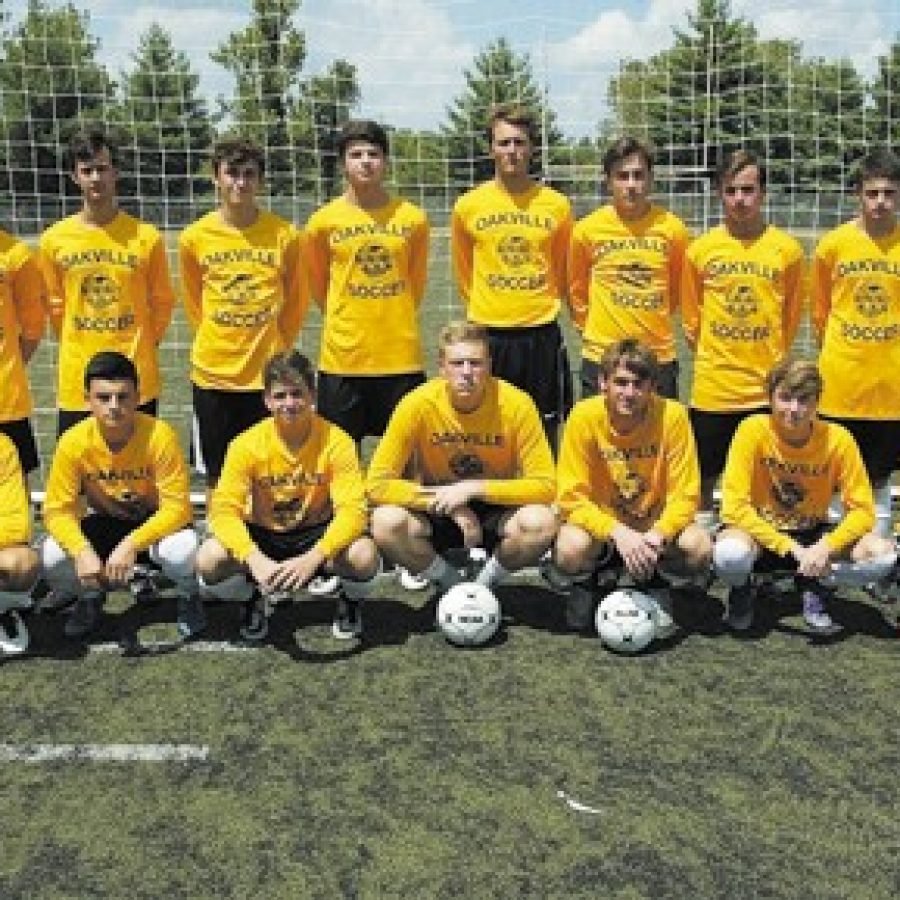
pixel 859 574
pixel 884 526
pixel 358 590
pixel 441 573
pixel 492 572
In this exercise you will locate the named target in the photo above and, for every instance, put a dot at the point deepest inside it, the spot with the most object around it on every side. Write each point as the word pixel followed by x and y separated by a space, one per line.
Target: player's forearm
pixel 742 515
pixel 169 518
pixel 347 525
pixel 64 527
pixel 595 521
pixel 519 491
pixel 851 528
pixel 397 492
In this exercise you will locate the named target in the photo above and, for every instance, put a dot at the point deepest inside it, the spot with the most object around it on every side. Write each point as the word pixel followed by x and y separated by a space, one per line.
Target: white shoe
pixel 13 634
pixel 324 585
pixel 411 582
pixel 347 623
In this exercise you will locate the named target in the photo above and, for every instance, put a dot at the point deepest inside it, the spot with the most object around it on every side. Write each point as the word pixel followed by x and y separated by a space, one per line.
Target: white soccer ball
pixel 468 614
pixel 626 620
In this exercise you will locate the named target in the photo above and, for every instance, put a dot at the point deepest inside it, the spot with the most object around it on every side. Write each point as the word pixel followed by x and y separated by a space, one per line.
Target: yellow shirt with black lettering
pixel 771 489
pixel 647 478
pixel 245 295
pixel 145 482
pixel 15 508
pixel 367 270
pixel 108 288
pixel 741 303
pixel 22 315
pixel 509 254
pixel 266 483
pixel 856 314
pixel 501 442
pixel 624 279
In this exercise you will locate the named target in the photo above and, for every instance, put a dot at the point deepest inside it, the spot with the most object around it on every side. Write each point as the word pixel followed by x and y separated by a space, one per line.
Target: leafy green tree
pixel 884 120
pixel 419 164
pixel 266 59
pixel 167 121
pixel 498 75
pixel 50 81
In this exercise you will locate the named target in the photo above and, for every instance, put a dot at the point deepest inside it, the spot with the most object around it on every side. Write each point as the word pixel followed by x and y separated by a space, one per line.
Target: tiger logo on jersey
pixel 239 290
pixel 466 465
pixel 871 299
pixel 374 260
pixel 635 274
pixel 741 302
pixel 515 251
pixel 788 494
pixel 286 513
pixel 629 487
pixel 99 290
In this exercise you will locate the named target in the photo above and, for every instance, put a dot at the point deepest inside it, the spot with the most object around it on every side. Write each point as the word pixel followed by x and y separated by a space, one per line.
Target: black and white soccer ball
pixel 626 620
pixel 468 614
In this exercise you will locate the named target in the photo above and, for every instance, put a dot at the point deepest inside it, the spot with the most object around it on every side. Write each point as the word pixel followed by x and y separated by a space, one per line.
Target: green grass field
pixel 404 768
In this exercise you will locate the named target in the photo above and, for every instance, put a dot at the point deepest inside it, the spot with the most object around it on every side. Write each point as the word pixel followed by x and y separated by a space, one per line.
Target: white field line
pixel 42 753
pixel 189 647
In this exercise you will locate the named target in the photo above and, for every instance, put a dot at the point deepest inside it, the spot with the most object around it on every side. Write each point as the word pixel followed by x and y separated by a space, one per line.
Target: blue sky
pixel 411 54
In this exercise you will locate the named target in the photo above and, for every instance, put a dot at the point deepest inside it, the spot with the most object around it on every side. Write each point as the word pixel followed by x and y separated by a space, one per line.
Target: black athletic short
pixel 105 533
pixel 447 535
pixel 666 384
pixel 362 404
pixel 878 441
pixel 713 432
pixel 282 545
pixel 535 360
pixel 20 432
pixel 66 418
pixel 221 416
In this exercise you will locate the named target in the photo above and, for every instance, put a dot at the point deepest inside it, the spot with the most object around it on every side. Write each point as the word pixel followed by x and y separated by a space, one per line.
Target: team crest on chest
pixel 788 494
pixel 871 299
pixel 515 250
pixel 466 465
pixel 635 274
pixel 239 289
pixel 741 301
pixel 99 290
pixel 374 260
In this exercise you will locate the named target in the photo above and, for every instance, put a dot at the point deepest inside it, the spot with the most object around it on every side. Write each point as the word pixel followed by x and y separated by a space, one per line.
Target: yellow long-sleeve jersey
pixel 624 279
pixel 647 479
pixel 108 288
pixel 771 489
pixel 509 254
pixel 22 315
pixel 267 484
pixel 741 303
pixel 245 294
pixel 367 270
pixel 856 314
pixel 501 443
pixel 15 517
pixel 146 480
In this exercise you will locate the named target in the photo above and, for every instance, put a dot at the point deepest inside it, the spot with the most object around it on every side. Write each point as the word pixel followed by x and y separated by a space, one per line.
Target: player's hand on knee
pixel 296 572
pixel 814 561
pixel 120 564
pixel 639 555
pixel 261 567
pixel 89 568
pixel 446 498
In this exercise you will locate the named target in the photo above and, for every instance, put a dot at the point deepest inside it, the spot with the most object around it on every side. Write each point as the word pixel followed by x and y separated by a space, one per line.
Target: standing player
pixel 367 254
pixel 625 265
pixel 21 328
pixel 485 470
pixel 245 296
pixel 107 281
pixel 629 484
pixel 290 503
pixel 741 298
pixel 126 467
pixel 781 473
pixel 18 562
pixel 510 238
pixel 856 315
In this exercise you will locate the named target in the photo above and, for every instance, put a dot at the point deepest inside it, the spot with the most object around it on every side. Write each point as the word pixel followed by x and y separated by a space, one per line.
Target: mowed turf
pixel 403 767
pixel 714 766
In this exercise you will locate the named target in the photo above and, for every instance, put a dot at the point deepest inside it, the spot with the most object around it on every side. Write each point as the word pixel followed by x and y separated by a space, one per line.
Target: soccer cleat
pixel 255 620
pixel 411 582
pixel 815 615
pixel 83 616
pixel 324 585
pixel 347 623
pixel 580 607
pixel 665 623
pixel 191 617
pixel 739 615
pixel 13 634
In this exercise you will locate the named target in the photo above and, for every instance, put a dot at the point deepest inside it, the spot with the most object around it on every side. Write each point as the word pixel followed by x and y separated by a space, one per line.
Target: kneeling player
pixel 486 471
pixel 18 562
pixel 781 472
pixel 127 467
pixel 629 485
pixel 306 512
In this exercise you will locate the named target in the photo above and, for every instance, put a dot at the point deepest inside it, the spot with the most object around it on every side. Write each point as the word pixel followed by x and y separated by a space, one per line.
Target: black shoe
pixel 255 620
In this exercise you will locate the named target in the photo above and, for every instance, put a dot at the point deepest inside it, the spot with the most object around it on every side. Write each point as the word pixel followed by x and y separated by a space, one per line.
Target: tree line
pixel 719 86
